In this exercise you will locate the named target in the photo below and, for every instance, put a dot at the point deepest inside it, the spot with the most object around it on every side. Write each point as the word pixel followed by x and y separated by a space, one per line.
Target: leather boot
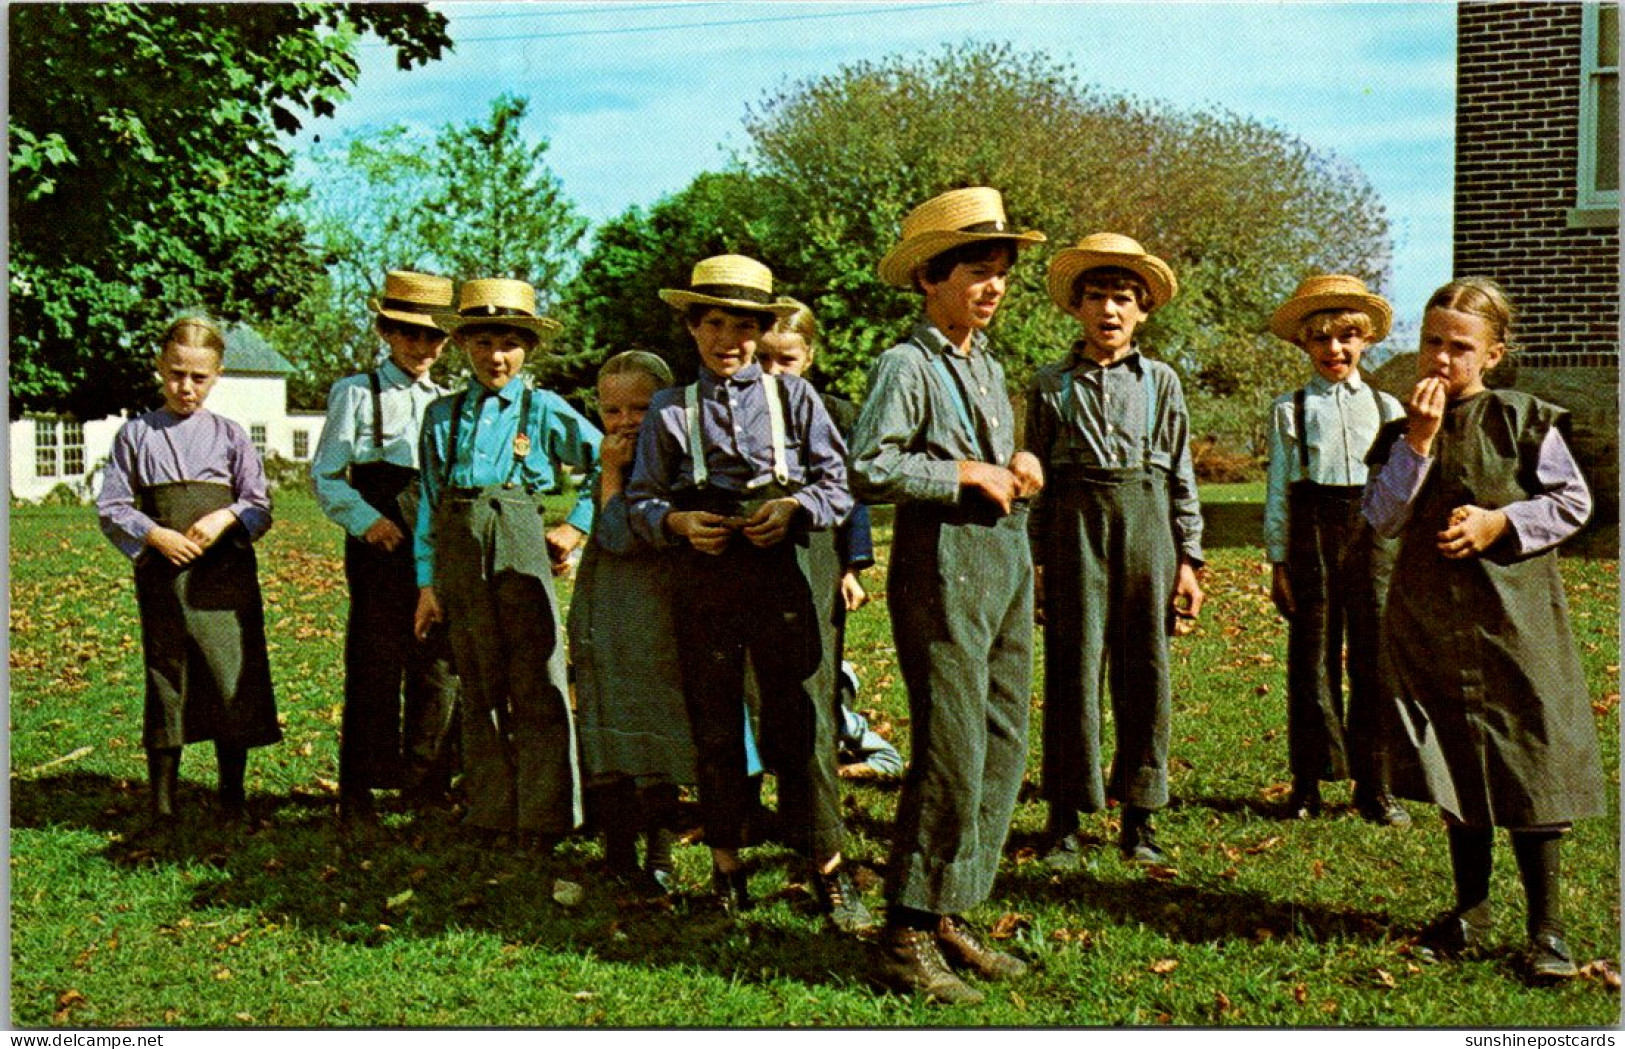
pixel 960 947
pixel 910 962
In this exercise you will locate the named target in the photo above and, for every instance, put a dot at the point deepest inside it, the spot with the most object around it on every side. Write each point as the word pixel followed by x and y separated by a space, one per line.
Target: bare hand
pixel 1188 594
pixel 771 521
pixel 207 530
pixel 615 453
pixel 1029 474
pixel 1425 412
pixel 996 482
pixel 1472 531
pixel 705 531
pixel 428 614
pixel 385 534
pixel 1281 591
pixel 853 596
pixel 560 541
pixel 179 549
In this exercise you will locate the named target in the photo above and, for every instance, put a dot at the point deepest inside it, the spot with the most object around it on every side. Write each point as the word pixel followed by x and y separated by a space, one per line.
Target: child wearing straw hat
pixel 1329 570
pixel 733 470
pixel 485 564
pixel 400 694
pixel 936 437
pixel 1118 540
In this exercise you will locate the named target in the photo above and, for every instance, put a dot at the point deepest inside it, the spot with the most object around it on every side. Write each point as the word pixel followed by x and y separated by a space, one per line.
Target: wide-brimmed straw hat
pixel 1110 249
pixel 412 298
pixel 732 282
pixel 1332 291
pixel 959 216
pixel 497 300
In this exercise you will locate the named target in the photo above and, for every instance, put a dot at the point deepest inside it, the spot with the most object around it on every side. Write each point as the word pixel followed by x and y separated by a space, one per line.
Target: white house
pixel 48 450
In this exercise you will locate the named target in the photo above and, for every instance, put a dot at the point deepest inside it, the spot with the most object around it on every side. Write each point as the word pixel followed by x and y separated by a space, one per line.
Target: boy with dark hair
pixel 1117 537
pixel 936 437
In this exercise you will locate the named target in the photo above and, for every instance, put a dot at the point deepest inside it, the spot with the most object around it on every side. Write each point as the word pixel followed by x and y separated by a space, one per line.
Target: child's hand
pixel 705 531
pixel 179 549
pixel 1028 473
pixel 385 534
pixel 995 482
pixel 207 530
pixel 428 614
pixel 771 521
pixel 615 453
pixel 1281 591
pixel 1425 412
pixel 853 596
pixel 560 541
pixel 1472 531
pixel 1188 594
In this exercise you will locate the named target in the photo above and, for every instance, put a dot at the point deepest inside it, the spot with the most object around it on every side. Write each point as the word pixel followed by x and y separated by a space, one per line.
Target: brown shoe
pixel 960 946
pixel 910 962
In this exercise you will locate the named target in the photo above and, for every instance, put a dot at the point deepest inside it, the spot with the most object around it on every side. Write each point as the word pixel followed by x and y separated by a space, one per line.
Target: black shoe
pixel 840 901
pixel 1304 804
pixel 1065 852
pixel 1458 934
pixel 960 946
pixel 911 962
pixel 1139 841
pixel 732 890
pixel 1549 958
pixel 1380 808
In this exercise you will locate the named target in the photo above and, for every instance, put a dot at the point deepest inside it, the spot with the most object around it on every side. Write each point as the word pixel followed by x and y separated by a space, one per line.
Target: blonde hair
pixel 194 332
pixel 802 323
pixel 637 362
pixel 1322 322
pixel 1480 297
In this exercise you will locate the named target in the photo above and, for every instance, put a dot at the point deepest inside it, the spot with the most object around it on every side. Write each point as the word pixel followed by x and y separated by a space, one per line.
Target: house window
pixel 256 435
pixel 1599 107
pixel 301 444
pixel 73 448
pixel 45 447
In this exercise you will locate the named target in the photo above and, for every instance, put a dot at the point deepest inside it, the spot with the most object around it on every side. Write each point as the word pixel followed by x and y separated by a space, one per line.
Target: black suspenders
pixel 377 408
pixel 456 425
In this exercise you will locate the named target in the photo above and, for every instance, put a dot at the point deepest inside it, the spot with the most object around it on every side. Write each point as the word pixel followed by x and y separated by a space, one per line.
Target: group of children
pixel 725 528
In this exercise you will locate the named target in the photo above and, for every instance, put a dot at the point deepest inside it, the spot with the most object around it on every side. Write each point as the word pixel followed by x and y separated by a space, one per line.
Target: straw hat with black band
pixel 960 216
pixel 730 282
pixel 497 300
pixel 412 298
pixel 1332 291
pixel 1099 250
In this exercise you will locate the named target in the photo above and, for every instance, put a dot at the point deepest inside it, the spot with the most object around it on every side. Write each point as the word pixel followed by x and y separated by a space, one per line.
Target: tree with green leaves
pixel 148 174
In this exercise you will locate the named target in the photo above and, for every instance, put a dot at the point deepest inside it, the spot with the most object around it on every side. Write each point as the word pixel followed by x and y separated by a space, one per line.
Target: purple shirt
pixel 161 448
pixel 1538 523
pixel 738 449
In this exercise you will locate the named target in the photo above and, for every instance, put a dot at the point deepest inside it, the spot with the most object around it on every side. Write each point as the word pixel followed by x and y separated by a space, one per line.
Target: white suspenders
pixel 775 424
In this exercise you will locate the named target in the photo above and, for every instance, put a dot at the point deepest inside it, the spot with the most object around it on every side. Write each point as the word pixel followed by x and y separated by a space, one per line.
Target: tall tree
pixel 147 174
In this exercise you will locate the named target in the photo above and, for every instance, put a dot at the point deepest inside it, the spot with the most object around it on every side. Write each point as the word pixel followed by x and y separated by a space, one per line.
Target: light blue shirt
pixel 348 439
pixel 1341 420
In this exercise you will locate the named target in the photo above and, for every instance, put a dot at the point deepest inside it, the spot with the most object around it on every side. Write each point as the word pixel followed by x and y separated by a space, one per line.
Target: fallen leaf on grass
pixel 584 996
pixel 1329 1006
pixel 1161 872
pixel 1385 978
pixel 246 1018
pixel 471 900
pixel 417 874
pixel 1300 993
pixel 327 873
pixel 1010 924
pixel 1081 937
pixel 1165 965
pixel 222 974
pixel 1318 868
pixel 1221 1002
pixel 274 865
pixel 1275 791
pixel 1603 706
pixel 1025 854
pixel 1265 845
pixel 1230 874
pixel 234 940
pixel 69 998
pixel 568 893
pixel 1018 1001
pixel 1601 970
pixel 399 900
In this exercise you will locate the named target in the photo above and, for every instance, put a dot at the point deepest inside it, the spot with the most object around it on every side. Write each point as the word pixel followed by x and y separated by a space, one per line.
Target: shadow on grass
pixel 420 877
pixel 1232 524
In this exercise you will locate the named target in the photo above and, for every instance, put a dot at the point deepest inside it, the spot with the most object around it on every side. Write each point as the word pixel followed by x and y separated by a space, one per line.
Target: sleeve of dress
pixel 248 484
pixel 1282 449
pixel 884 469
pixel 826 496
pixel 612 529
pixel 329 467
pixel 1389 492
pixel 431 460
pixel 125 526
pixel 1187 506
pixel 1561 508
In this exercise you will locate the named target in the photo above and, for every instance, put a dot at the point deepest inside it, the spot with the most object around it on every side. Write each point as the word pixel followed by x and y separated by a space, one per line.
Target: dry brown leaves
pixel 1010 924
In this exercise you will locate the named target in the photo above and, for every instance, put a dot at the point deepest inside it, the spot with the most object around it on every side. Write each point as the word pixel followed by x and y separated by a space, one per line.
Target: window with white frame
pixel 45 448
pixel 73 447
pixel 1599 106
pixel 301 444
pixel 256 435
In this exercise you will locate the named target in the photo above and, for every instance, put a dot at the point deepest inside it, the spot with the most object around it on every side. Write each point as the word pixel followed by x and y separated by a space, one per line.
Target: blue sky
pixel 637 98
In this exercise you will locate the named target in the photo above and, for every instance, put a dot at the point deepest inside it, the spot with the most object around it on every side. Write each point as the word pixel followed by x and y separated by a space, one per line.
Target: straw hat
pixel 1110 249
pixel 1332 291
pixel 497 300
pixel 732 282
pixel 412 298
pixel 944 222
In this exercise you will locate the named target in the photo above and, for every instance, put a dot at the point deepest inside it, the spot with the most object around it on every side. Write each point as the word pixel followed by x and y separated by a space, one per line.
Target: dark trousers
pixel 1339 574
pixel 755 603
pixel 400 695
pixel 960 593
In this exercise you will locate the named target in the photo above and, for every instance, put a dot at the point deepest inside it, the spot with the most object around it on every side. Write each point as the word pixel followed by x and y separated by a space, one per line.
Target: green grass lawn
pixel 1257 922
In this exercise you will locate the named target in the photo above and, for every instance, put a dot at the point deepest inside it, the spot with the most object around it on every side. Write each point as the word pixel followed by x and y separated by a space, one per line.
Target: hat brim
pixel 452 322
pixel 899 264
pixel 1284 324
pixel 681 299
pixel 422 320
pixel 1069 262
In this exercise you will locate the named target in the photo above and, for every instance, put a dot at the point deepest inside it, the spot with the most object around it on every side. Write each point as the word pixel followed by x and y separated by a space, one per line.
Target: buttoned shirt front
pixel 349 438
pixel 930 407
pixel 489 453
pixel 738 448
pixel 1128 413
pixel 1341 420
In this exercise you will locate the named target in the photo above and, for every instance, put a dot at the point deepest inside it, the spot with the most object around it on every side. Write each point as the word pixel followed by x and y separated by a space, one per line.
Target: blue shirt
pixel 738 451
pixel 486 430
